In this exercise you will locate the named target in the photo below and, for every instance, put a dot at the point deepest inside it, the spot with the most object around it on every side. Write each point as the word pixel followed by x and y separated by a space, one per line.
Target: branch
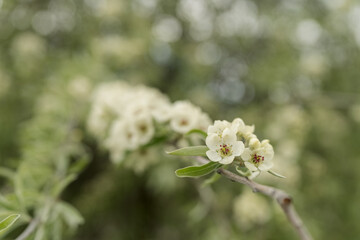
pixel 30 228
pixel 281 197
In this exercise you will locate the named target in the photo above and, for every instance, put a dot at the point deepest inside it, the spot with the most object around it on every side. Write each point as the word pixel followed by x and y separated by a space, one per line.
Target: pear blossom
pixel 144 127
pixel 219 127
pixel 123 117
pixel 224 148
pixel 122 134
pixel 258 155
pixel 185 117
pixel 242 129
pixel 251 210
pixel 162 113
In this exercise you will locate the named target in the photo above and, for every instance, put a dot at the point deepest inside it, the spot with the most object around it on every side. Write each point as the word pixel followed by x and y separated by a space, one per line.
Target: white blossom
pixel 162 112
pixel 218 127
pixel 144 127
pixel 185 117
pixel 258 155
pixel 79 87
pixel 242 129
pixel 251 210
pixel 123 117
pixel 224 148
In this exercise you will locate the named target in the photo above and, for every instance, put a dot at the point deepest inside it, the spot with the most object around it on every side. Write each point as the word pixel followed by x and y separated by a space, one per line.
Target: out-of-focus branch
pixel 30 229
pixel 281 197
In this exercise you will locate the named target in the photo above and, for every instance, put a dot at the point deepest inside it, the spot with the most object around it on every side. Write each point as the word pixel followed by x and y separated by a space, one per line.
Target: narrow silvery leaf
pixel 191 151
pixel 7 222
pixel 198 171
pixel 60 186
pixel 201 132
pixel 276 174
pixel 70 214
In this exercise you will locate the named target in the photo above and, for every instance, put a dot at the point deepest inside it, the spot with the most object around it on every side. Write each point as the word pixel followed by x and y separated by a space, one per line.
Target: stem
pixel 281 197
pixel 30 228
pixel 41 217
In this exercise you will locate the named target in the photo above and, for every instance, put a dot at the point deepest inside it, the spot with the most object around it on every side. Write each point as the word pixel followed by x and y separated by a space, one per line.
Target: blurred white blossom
pixel 185 117
pixel 125 117
pixel 79 87
pixel 251 210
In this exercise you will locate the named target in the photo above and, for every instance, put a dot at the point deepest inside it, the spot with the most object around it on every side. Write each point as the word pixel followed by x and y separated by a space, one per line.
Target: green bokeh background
pixel 289 67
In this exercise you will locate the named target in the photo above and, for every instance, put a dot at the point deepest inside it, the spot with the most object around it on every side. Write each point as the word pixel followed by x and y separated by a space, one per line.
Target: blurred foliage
pixel 289 67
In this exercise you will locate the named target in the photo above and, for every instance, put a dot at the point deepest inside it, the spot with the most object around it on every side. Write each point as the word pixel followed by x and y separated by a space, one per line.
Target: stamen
pixel 257 159
pixel 225 150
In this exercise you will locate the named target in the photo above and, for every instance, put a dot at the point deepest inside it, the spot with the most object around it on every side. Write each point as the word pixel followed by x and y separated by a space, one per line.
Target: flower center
pixel 257 159
pixel 143 128
pixel 225 150
pixel 184 122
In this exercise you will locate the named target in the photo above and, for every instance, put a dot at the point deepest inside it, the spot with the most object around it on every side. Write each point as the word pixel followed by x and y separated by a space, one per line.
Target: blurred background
pixel 291 67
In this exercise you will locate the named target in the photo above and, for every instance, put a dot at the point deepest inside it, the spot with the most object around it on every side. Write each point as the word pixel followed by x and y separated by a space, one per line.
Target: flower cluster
pixel 236 141
pixel 126 117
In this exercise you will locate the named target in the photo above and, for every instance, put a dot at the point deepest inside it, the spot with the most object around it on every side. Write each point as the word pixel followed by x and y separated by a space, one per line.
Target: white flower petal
pixel 246 155
pixel 211 129
pixel 254 142
pixel 237 124
pixel 266 166
pixel 218 127
pixel 213 141
pixel 250 166
pixel 229 136
pixel 238 148
pixel 249 129
pixel 213 155
pixel 227 160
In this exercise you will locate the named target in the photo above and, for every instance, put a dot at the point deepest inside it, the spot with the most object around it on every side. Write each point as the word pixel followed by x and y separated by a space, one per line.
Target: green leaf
pixel 60 186
pixel 276 174
pixel 6 204
pixel 198 171
pixel 198 131
pixel 244 171
pixel 70 214
pixel 7 222
pixel 79 165
pixel 190 151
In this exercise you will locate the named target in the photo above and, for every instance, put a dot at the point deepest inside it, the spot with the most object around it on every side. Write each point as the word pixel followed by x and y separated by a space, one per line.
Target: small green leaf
pixel 190 151
pixel 7 222
pixel 276 174
pixel 198 171
pixel 6 204
pixel 61 185
pixel 70 214
pixel 198 131
pixel 79 165
pixel 244 171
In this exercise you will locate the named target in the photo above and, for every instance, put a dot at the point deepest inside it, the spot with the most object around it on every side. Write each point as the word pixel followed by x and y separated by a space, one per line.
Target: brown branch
pixel 281 197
